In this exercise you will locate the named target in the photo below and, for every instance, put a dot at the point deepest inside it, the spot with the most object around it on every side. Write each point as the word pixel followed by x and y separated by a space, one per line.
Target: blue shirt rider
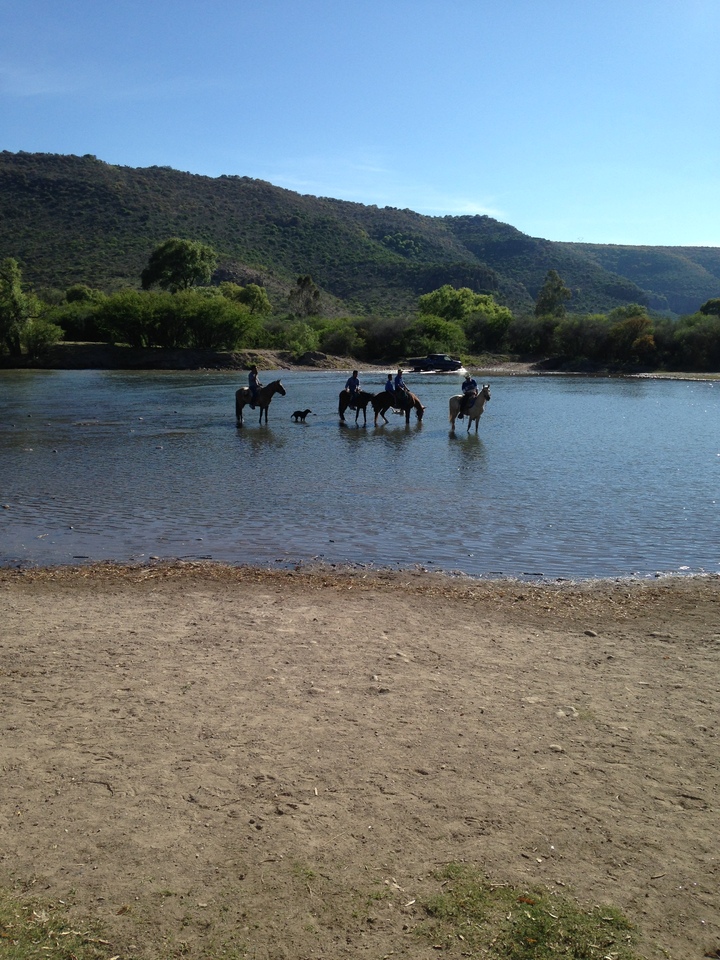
pixel 254 384
pixel 469 391
pixel 401 391
pixel 389 385
pixel 352 385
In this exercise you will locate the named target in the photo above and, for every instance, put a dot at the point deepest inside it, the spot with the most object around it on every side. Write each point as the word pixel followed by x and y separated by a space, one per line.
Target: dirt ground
pixel 233 762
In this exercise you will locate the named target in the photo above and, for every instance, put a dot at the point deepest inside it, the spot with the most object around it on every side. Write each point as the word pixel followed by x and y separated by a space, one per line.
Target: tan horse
pixel 474 412
pixel 262 400
pixel 406 402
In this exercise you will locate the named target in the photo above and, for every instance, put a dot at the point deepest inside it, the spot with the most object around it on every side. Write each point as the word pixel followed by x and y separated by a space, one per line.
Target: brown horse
pixel 362 399
pixel 473 412
pixel 262 400
pixel 398 400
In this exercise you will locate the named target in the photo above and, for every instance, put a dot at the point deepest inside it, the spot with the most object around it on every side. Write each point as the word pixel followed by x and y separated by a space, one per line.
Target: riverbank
pixel 209 758
pixel 104 356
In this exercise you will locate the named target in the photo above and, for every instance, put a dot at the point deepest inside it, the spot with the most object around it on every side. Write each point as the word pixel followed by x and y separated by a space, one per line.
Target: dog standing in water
pixel 299 415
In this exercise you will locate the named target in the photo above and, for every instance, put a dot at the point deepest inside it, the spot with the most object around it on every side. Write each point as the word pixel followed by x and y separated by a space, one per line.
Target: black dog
pixel 299 415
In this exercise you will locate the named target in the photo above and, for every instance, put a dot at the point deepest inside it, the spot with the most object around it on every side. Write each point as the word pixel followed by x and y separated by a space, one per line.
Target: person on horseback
pixel 389 385
pixel 254 384
pixel 469 392
pixel 352 385
pixel 402 394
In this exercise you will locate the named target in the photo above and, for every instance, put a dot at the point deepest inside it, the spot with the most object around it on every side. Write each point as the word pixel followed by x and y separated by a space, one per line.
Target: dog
pixel 299 415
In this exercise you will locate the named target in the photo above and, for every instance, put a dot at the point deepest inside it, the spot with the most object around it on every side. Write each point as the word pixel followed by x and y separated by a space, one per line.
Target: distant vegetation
pixel 240 263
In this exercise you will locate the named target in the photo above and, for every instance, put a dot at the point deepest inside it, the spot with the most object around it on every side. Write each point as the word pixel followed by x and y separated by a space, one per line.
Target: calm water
pixel 569 477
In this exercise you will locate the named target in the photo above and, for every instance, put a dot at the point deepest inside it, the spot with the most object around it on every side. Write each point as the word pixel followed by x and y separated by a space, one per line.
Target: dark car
pixel 434 361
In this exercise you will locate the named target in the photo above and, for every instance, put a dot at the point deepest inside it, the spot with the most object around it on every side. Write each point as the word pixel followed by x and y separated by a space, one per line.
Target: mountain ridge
pixel 70 219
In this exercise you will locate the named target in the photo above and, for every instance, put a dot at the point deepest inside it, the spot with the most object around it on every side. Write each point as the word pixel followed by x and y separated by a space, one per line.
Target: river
pixel 569 477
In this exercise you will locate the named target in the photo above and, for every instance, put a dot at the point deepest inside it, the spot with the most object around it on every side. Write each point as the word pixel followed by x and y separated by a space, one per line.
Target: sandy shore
pixel 208 758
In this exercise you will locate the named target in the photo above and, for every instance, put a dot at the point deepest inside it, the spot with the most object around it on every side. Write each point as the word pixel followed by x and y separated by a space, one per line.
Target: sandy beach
pixel 207 758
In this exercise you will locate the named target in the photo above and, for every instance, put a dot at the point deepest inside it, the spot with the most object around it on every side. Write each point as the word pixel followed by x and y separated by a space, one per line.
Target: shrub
pixel 38 336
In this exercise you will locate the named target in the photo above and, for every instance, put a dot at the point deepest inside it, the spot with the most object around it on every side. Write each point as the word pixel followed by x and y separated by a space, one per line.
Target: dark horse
pixel 362 399
pixel 262 400
pixel 398 400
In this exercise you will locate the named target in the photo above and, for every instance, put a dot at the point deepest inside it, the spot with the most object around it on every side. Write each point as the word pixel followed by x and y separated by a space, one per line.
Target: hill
pixel 71 219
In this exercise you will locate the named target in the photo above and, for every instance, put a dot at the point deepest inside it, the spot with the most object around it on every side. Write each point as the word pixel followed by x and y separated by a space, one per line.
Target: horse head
pixel 485 392
pixel 279 387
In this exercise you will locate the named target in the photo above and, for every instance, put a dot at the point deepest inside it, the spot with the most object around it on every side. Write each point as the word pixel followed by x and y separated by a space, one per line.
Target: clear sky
pixel 595 120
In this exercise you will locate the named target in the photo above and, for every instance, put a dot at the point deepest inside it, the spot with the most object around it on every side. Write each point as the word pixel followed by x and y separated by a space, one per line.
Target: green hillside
pixel 70 219
pixel 675 278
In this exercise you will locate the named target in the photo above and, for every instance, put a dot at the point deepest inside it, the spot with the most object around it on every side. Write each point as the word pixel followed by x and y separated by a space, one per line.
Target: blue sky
pixel 595 120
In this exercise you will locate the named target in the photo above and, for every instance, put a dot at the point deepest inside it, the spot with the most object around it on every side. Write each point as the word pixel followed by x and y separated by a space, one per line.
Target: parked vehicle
pixel 434 363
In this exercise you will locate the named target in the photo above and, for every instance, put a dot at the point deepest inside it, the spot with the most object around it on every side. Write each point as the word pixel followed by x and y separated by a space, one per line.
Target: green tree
pixel 15 307
pixel 552 296
pixel 125 318
pixel 82 293
pixel 488 323
pixel 531 336
pixel 253 296
pixel 697 339
pixel 218 323
pixel 38 335
pixel 305 297
pixel 429 334
pixel 631 334
pixel 300 338
pixel 711 307
pixel 451 303
pixel 340 337
pixel 583 337
pixel 179 264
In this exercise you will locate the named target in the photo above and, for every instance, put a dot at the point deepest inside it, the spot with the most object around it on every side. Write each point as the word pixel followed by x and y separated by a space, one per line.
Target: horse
pixel 262 399
pixel 473 412
pixel 398 400
pixel 362 399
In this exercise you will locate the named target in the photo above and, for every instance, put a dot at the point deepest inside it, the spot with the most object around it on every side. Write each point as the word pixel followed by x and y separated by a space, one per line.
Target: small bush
pixel 38 336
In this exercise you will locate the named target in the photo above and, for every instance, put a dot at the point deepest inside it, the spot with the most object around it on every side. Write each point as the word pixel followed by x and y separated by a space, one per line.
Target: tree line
pixel 179 307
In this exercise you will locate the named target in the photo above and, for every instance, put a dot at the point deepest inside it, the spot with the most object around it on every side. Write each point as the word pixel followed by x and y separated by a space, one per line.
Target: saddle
pixel 466 404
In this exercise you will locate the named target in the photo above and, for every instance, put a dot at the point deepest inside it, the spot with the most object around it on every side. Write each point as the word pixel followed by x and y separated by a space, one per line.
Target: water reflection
pixel 262 440
pixel 468 451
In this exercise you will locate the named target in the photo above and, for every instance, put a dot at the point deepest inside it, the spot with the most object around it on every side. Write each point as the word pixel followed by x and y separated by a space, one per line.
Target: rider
pixel 352 384
pixel 254 383
pixel 401 391
pixel 469 392
pixel 389 385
